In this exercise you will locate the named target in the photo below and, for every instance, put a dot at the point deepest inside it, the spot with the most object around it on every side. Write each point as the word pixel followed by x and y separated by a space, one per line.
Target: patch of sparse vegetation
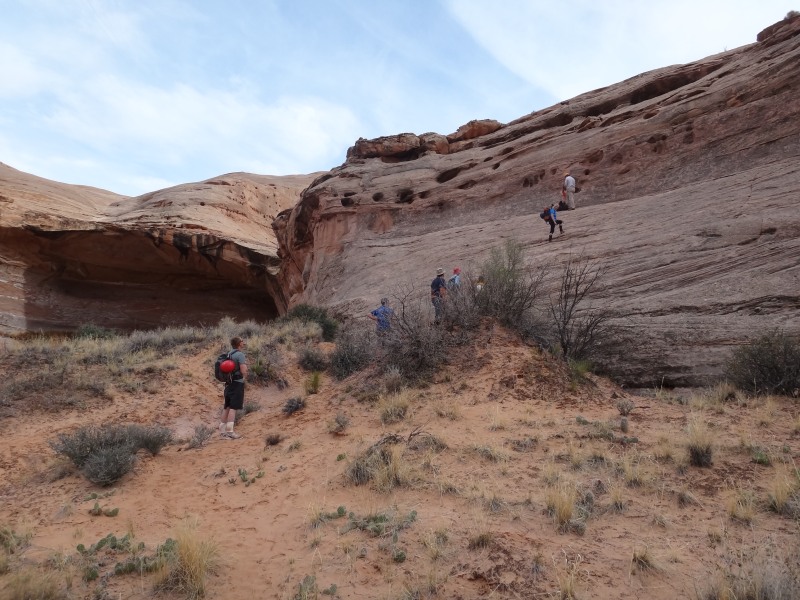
pixel 642 561
pixel 30 584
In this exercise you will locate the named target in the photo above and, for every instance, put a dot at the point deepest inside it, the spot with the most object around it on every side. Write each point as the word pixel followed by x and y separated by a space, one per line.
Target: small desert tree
pixel 579 327
pixel 512 288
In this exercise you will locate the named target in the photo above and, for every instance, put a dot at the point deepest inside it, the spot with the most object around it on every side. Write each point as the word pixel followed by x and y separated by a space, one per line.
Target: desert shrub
pixel 317 314
pixel 393 380
pixel 273 439
pixel 249 407
pixel 187 563
pixel 264 361
pixel 108 465
pixel 105 454
pixel 293 405
pixel 768 364
pixel 579 329
pixel 354 351
pixel 339 423
pixel 512 288
pixel 202 433
pixel 393 408
pixel 625 406
pixel 90 330
pixel 151 438
pixel 313 359
pixel 81 444
pixel 413 347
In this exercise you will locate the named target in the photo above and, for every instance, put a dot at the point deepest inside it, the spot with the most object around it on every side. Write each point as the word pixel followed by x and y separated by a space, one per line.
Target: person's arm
pixel 243 370
pixel 372 316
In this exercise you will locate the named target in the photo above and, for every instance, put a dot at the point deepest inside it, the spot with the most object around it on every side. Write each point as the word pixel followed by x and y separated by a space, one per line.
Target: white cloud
pixel 574 48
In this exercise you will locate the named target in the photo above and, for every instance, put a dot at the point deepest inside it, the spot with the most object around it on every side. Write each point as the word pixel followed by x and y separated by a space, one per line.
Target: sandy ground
pixel 514 427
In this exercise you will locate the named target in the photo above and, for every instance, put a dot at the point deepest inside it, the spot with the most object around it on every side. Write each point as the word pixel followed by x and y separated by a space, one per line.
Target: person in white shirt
pixel 569 189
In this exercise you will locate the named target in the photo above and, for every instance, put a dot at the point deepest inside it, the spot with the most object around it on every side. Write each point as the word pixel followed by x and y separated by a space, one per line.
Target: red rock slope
pixel 689 182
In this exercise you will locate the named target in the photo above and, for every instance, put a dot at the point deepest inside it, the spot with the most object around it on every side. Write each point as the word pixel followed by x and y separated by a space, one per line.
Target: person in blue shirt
pixel 549 216
pixel 382 316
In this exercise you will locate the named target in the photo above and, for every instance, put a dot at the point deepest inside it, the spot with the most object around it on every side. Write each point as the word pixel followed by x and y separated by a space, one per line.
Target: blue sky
pixel 134 96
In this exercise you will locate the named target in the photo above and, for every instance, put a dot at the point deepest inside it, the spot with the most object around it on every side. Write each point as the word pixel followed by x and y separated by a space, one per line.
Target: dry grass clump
pixel 448 409
pixel 480 540
pixel 383 465
pixel 642 561
pixel 490 453
pixel 625 406
pixel 29 584
pixel 700 443
pixel 756 578
pixel 340 422
pixel 741 505
pixel 393 407
pixel 782 494
pixel 189 563
pixel 294 404
pixel 560 502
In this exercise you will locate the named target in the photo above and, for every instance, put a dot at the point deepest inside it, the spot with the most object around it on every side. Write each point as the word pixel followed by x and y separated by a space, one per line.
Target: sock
pixel 229 427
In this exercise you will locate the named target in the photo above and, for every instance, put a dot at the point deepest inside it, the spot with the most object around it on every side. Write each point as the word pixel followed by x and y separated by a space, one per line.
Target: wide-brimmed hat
pixel 440 271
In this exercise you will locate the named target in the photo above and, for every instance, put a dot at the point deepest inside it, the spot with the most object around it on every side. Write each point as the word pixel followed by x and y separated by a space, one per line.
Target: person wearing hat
pixel 438 295
pixel 382 316
pixel 569 189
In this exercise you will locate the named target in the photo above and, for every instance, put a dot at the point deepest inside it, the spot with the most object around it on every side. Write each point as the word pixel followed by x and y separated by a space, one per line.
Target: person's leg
pixel 234 397
pixel 571 199
pixel 560 228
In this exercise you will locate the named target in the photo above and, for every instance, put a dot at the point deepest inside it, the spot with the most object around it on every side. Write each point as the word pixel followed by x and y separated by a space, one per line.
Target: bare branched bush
pixel 413 347
pixel 579 327
pixel 768 364
pixel 293 405
pixel 108 465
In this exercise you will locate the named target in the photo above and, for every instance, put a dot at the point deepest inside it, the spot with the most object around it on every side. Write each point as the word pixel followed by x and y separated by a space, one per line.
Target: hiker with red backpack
pixel 234 388
pixel 549 215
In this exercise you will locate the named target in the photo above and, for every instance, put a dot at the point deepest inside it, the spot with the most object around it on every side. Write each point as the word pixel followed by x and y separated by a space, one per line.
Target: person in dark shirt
pixel 438 295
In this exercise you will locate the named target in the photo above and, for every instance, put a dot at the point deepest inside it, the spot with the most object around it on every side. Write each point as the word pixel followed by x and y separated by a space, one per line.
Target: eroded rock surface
pixel 689 180
pixel 72 255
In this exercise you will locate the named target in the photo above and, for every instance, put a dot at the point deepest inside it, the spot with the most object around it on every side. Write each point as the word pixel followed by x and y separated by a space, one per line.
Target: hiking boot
pixel 561 229
pixel 550 238
pixel 230 435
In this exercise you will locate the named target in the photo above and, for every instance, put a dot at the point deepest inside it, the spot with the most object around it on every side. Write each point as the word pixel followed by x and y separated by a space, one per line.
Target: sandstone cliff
pixel 689 185
pixel 689 181
pixel 71 255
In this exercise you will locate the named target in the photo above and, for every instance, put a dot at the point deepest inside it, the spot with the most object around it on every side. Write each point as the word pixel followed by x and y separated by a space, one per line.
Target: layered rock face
pixel 689 192
pixel 72 255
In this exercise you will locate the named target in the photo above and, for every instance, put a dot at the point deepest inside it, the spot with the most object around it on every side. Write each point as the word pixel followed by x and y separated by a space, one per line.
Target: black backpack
pixel 219 373
pixel 545 214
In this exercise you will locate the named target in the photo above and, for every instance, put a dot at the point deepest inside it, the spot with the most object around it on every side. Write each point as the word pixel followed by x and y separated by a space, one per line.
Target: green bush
pixel 317 314
pixel 512 288
pixel 769 364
